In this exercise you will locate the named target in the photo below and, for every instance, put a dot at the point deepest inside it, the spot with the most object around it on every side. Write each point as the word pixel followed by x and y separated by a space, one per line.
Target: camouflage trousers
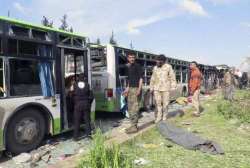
pixel 133 106
pixel 162 102
pixel 196 101
pixel 229 93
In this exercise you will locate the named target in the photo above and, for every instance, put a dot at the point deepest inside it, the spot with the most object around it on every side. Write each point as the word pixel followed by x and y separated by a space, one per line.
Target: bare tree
pixel 88 41
pixel 46 22
pixel 112 39
pixel 64 24
pixel 71 29
pixel 98 41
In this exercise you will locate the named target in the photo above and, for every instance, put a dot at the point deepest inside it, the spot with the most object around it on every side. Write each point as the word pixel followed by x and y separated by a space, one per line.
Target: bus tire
pixel 25 131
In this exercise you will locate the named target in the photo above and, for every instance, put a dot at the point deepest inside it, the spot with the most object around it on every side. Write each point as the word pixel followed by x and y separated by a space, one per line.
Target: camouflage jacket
pixel 163 78
pixel 229 79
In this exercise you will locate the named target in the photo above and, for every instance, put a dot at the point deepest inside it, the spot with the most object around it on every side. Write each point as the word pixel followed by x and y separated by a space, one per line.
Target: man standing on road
pixel 229 84
pixel 133 91
pixel 161 82
pixel 194 85
pixel 244 80
pixel 83 98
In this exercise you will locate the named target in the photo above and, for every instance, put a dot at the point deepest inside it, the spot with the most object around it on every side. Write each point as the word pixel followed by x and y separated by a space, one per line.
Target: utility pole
pixel 8 13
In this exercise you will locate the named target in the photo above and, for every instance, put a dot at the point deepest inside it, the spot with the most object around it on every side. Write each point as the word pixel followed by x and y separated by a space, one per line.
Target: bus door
pixel 2 79
pixel 2 95
pixel 74 63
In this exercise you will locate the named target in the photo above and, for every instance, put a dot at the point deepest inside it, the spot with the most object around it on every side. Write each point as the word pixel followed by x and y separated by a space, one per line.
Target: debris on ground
pixel 186 123
pixel 182 101
pixel 188 139
pixel 233 121
pixel 244 128
pixel 81 151
pixel 60 147
pixel 64 156
pixel 141 162
pixel 116 124
pixel 169 145
pixel 207 105
pixel 150 146
pixel 46 158
pixel 22 158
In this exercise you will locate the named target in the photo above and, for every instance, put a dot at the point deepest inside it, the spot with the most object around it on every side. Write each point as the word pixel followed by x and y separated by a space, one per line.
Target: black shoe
pixel 131 130
pixel 87 136
pixel 196 115
pixel 77 139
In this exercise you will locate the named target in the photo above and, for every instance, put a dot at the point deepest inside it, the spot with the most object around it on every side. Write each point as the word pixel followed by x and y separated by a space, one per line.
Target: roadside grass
pixel 212 125
pixel 238 109
pixel 102 156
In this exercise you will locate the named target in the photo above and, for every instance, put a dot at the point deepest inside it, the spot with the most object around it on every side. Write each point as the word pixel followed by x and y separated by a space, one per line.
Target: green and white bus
pixel 36 65
pixel 108 77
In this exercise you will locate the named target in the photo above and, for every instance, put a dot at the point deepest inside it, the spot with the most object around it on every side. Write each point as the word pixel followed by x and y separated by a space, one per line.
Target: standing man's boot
pixel 132 129
pixel 165 116
pixel 158 117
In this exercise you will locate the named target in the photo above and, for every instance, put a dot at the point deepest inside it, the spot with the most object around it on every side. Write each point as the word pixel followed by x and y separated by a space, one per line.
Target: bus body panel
pixel 28 42
pixel 103 79
pixel 10 106
pixel 100 83
pixel 111 67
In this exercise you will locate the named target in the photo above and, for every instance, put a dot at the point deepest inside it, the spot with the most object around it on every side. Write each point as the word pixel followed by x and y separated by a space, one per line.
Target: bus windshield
pixel 74 64
pixel 98 59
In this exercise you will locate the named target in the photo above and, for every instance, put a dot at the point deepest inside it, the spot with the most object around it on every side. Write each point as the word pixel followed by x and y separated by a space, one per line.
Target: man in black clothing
pixel 244 80
pixel 133 91
pixel 83 98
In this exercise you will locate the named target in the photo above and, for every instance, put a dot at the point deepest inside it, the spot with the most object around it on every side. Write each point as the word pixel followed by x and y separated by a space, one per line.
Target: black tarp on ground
pixel 187 139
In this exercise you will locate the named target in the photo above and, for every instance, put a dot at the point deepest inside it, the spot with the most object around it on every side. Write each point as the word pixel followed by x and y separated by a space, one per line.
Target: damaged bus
pixel 108 76
pixel 37 67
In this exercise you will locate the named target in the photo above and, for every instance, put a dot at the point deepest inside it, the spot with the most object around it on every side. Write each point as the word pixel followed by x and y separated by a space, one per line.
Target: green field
pixel 232 133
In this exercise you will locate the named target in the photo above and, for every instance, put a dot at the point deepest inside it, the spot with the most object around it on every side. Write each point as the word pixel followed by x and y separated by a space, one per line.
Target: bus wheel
pixel 25 131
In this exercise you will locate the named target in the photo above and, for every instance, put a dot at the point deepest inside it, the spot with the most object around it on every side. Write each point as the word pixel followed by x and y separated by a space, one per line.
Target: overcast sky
pixel 208 31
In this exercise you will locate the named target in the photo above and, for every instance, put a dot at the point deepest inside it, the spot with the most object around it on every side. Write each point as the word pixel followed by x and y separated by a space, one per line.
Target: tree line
pixel 65 27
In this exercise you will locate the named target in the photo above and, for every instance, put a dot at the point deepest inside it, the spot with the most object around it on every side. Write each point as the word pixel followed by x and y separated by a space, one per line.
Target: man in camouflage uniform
pixel 229 84
pixel 162 81
pixel 133 91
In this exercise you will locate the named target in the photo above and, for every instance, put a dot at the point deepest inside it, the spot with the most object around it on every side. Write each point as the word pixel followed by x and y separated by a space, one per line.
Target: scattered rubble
pixel 186 123
pixel 169 145
pixel 61 147
pixel 22 158
pixel 234 121
pixel 244 128
pixel 141 162
pixel 46 158
pixel 81 151
pixel 150 146
pixel 64 156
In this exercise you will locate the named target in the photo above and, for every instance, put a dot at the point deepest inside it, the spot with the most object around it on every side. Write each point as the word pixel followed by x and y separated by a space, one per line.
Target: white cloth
pixel 81 85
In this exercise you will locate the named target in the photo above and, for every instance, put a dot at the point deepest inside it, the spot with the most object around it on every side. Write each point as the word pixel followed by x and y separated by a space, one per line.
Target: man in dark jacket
pixel 133 91
pixel 83 98
pixel 244 80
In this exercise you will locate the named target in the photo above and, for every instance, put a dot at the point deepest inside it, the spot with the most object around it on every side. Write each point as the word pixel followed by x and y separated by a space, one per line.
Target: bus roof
pixel 30 25
pixel 146 52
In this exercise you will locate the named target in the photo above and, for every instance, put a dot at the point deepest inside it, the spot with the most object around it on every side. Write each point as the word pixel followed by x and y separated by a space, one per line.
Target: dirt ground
pixel 59 148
